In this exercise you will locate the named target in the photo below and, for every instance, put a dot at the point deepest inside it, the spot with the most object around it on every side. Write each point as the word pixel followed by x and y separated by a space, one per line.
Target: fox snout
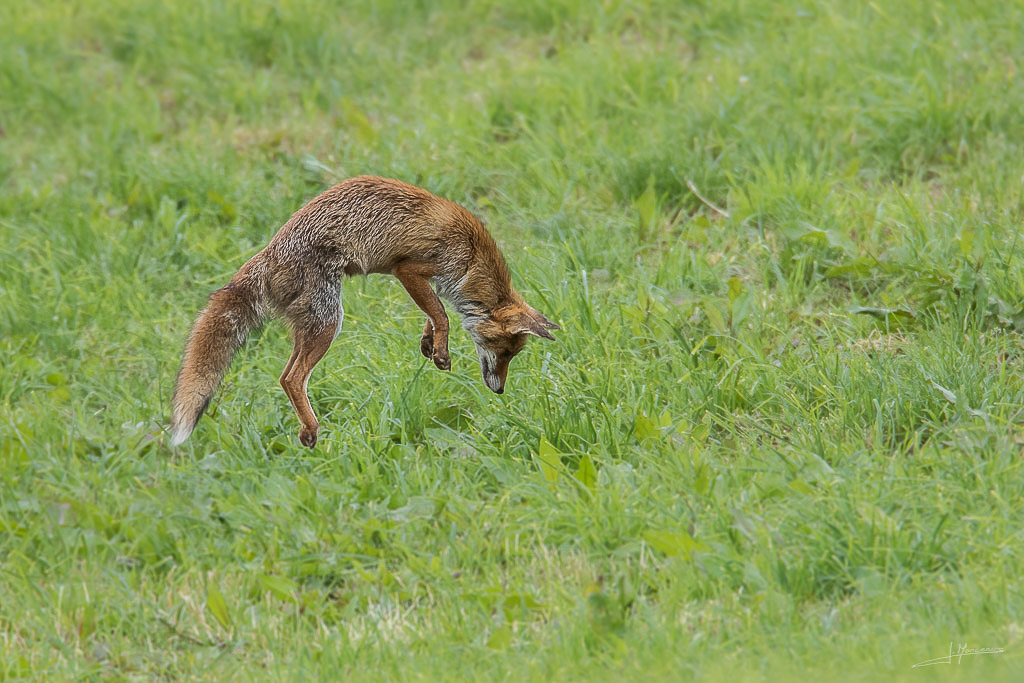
pixel 495 383
pixel 493 370
pixel 494 380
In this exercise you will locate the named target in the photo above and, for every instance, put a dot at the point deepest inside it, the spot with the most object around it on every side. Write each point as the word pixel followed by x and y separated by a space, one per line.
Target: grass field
pixel 779 435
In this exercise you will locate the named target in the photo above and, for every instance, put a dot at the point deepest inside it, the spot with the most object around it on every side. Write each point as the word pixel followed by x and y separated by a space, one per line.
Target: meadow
pixel 779 435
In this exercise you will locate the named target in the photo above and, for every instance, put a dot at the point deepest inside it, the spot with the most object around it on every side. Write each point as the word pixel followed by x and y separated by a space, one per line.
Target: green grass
pixel 779 436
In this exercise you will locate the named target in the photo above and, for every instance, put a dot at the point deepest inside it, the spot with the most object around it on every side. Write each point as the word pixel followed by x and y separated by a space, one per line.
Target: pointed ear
pixel 544 321
pixel 533 325
pixel 540 317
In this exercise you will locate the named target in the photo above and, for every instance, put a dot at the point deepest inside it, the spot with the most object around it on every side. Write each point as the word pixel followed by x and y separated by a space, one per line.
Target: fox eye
pixel 507 355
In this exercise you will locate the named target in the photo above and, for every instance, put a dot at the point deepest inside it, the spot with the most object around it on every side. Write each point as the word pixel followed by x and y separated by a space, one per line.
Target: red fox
pixel 362 225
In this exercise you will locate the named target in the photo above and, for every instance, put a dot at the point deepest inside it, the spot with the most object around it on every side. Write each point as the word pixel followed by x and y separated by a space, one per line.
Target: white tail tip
pixel 179 434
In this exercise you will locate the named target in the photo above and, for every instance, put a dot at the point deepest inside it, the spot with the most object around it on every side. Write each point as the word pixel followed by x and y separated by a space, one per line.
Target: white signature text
pixel 955 656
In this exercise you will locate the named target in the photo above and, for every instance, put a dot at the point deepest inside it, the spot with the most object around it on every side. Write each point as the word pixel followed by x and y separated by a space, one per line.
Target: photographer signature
pixel 961 652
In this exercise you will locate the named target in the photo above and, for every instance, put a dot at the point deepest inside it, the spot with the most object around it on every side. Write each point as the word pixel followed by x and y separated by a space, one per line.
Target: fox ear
pixel 544 321
pixel 536 324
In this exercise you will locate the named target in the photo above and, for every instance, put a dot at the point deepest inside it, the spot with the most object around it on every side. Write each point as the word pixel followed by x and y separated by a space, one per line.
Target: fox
pixel 361 226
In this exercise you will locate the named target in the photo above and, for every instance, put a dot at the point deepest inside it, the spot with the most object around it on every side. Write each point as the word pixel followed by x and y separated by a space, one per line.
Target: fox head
pixel 501 334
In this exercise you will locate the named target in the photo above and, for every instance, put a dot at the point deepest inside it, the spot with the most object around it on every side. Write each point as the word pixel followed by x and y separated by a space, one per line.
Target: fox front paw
pixel 308 436
pixel 438 353
pixel 442 360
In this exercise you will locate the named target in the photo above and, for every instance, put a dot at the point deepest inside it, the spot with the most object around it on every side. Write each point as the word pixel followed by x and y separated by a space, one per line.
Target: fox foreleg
pixel 434 343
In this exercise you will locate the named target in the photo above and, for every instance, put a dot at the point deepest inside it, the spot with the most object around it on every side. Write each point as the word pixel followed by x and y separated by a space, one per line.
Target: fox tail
pixel 219 331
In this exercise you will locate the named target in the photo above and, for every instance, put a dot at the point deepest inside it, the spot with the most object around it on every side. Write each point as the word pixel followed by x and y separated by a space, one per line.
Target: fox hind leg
pixel 291 362
pixel 314 331
pixel 310 348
